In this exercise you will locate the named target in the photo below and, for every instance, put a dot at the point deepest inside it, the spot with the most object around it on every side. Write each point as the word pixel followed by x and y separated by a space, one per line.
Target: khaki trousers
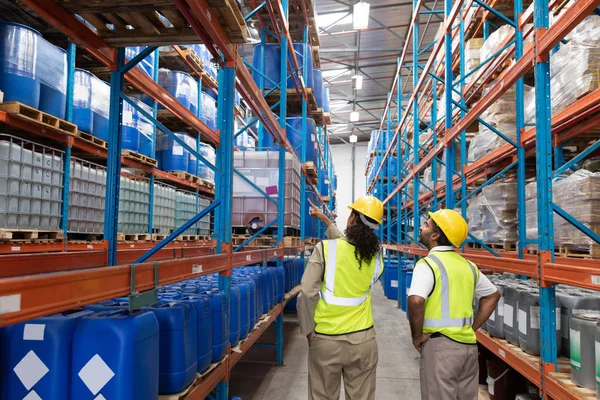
pixel 449 370
pixel 329 360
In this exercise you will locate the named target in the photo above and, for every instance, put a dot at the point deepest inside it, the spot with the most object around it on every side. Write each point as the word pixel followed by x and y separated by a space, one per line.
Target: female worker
pixel 334 306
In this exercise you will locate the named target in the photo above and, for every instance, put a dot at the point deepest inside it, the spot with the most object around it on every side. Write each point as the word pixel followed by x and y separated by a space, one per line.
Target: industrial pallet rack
pixel 38 279
pixel 418 137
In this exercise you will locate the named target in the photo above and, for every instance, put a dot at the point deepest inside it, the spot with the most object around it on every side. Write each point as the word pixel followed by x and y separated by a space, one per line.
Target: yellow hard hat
pixel 369 206
pixel 452 224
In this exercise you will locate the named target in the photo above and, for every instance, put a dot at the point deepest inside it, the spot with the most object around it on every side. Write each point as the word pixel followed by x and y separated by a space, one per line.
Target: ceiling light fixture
pixel 354 116
pixel 353 138
pixel 357 81
pixel 360 15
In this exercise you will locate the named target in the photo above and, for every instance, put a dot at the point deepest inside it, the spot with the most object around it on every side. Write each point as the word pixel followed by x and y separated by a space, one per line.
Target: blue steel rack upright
pixel 540 141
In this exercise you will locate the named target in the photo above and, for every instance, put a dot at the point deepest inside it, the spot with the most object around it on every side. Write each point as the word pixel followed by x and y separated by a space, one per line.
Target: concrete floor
pixel 256 377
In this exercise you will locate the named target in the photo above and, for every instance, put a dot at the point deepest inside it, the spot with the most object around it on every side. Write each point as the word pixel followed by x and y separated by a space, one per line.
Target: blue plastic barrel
pixel 409 273
pixel 234 315
pixel 310 223
pixel 267 55
pixel 204 172
pixel 391 280
pixel 192 162
pixel 18 49
pixel 178 360
pixel 100 108
pixel 182 86
pixel 253 316
pixel 280 281
pixel 204 313
pixel 326 98
pixel 211 93
pixel 108 305
pixel 244 308
pixel 220 339
pixel 82 100
pixel 115 356
pixel 51 71
pixel 147 64
pixel 318 86
pixel 146 129
pixel 208 111
pixel 206 58
pixel 171 155
pixel 303 50
pixel 130 135
pixel 45 339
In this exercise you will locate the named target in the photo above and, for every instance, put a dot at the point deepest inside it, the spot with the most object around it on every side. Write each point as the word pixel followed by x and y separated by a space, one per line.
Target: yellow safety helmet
pixel 369 206
pixel 452 224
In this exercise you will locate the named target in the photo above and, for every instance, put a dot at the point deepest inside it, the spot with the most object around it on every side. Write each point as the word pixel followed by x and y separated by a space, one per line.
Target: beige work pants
pixel 328 360
pixel 449 370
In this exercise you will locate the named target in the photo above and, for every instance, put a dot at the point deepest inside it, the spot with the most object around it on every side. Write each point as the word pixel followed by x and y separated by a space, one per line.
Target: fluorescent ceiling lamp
pixel 327 20
pixel 354 116
pixel 328 73
pixel 360 16
pixel 357 82
pixel 353 138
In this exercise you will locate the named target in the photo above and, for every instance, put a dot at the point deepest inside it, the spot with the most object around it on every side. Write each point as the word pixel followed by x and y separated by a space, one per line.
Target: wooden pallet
pixel 159 236
pixel 327 118
pixel 209 81
pixel 205 183
pixel 316 56
pixel 291 241
pixel 294 100
pixel 132 155
pixel 189 238
pixel 591 251
pixel 30 235
pixel 503 247
pixel 564 378
pixel 184 175
pixel 311 241
pixel 92 139
pixel 311 170
pixel 173 60
pixel 133 237
pixel 231 19
pixel 319 116
pixel 260 241
pixel 25 112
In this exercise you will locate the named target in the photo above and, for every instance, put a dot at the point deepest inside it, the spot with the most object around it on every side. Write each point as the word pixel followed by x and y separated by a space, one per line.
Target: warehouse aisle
pixel 257 378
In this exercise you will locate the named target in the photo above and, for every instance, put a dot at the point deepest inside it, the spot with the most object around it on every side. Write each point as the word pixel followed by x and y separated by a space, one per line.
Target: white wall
pixel 342 159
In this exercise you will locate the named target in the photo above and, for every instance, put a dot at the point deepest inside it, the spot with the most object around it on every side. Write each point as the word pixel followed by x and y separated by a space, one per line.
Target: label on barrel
pixel 508 315
pixel 523 322
pixel 575 347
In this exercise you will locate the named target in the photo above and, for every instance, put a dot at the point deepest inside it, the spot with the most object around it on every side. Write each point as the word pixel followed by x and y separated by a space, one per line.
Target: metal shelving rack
pixel 55 277
pixel 542 142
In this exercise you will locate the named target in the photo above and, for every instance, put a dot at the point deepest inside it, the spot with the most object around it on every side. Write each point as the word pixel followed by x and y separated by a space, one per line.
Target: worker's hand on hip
pixel 310 338
pixel 418 342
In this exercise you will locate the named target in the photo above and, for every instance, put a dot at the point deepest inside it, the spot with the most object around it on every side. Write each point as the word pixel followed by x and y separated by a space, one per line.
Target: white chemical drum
pixel 529 322
pixel 582 335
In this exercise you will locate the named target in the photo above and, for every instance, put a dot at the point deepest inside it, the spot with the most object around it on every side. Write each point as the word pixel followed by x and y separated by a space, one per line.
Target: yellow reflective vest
pixel 449 308
pixel 345 303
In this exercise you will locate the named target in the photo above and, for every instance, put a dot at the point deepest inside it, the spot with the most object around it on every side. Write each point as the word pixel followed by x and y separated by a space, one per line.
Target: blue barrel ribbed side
pixel 234 315
pixel 211 93
pixel 116 356
pixel 182 86
pixel 192 162
pixel 318 86
pixel 204 312
pixel 220 339
pixel 244 307
pixel 204 172
pixel 100 108
pixel 82 100
pixel 51 69
pixel 326 98
pixel 271 65
pixel 145 127
pixel 130 135
pixel 18 74
pixel 208 110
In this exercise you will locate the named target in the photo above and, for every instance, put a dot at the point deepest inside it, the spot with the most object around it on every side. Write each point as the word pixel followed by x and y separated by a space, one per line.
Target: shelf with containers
pixel 521 146
pixel 84 279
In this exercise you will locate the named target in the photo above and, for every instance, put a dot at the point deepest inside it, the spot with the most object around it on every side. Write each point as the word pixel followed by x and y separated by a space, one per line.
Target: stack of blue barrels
pixel 208 109
pixel 105 351
pixel 294 135
pixel 266 60
pixel 245 141
pixel 173 157
pixel 180 85
pixel 390 281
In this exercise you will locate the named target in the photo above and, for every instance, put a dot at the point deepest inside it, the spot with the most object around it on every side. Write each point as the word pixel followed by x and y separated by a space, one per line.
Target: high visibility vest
pixel 449 308
pixel 345 303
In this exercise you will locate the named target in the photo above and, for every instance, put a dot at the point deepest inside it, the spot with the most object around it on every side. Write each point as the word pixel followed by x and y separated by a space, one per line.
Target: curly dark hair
pixel 365 241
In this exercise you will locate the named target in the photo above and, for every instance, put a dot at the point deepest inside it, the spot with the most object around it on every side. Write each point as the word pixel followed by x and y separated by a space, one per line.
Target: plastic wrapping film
pixel 494 42
pixel 51 66
pixel 428 176
pixel 208 109
pixel 472 56
pixel 441 105
pixel 487 140
pixel 204 172
pixel 82 88
pixel 18 50
pixel 502 110
pixel 100 102
pixel 179 84
pixel 492 215
pixel 147 64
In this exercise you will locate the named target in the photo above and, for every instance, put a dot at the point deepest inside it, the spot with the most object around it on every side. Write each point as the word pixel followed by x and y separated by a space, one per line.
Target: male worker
pixel 440 310
pixel 334 307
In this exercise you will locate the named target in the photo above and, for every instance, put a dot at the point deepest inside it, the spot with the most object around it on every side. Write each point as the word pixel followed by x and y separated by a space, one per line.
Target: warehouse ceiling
pixel 372 53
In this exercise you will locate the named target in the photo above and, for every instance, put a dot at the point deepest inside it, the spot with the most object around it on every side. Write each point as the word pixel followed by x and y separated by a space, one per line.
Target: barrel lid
pixel 6 23
pixel 587 315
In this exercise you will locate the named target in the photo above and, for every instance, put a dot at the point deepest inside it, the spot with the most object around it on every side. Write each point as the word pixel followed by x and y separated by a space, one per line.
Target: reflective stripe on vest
pixel 328 294
pixel 446 321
